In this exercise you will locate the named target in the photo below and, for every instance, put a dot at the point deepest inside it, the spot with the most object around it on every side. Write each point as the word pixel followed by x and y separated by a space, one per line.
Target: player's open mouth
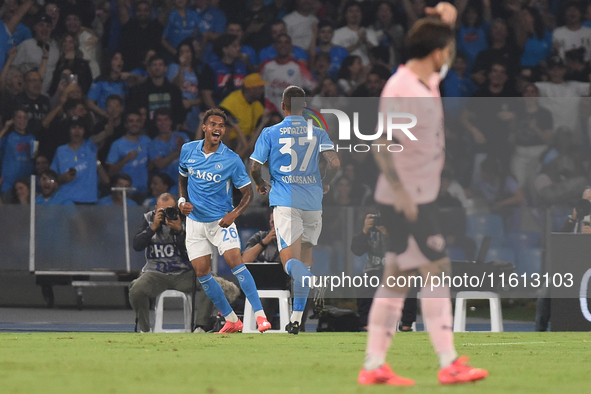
pixel 216 134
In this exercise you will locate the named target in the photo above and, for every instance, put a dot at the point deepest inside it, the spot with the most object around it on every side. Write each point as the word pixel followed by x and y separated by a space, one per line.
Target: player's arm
pixel 244 203
pixel 332 167
pixel 263 186
pixel 184 205
pixel 402 201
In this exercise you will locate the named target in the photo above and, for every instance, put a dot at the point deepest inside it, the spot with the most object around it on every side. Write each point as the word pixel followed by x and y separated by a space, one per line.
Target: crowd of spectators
pixel 106 92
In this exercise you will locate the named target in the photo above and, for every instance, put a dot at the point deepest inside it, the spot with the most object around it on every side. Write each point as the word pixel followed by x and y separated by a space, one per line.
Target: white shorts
pixel 201 237
pixel 291 223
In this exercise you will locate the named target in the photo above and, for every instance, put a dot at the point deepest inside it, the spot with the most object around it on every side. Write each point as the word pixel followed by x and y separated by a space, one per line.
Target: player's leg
pixel 199 250
pixel 148 285
pixel 384 314
pixel 203 305
pixel 289 229
pixel 246 281
pixel 436 298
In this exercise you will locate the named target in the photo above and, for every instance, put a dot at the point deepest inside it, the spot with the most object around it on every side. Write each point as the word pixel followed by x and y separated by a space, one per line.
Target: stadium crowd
pixel 93 89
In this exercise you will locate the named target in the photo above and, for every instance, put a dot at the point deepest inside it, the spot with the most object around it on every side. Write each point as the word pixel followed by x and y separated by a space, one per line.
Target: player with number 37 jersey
pixel 296 190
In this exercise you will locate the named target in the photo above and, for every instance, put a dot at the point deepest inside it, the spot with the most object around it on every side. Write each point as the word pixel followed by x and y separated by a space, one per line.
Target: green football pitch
pixel 277 363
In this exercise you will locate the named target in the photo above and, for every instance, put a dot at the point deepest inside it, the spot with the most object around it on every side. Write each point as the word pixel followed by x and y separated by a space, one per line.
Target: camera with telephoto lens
pixel 171 213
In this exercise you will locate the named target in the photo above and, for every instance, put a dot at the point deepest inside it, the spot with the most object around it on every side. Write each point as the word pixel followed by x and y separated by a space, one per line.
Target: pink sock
pixel 384 314
pixel 436 307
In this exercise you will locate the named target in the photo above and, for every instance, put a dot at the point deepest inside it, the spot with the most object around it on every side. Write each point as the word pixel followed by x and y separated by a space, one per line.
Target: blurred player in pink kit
pixel 406 191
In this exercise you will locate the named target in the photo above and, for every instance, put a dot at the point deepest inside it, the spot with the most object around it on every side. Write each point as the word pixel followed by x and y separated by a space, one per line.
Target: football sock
pixel 384 314
pixel 260 313
pixel 248 287
pixel 296 316
pixel 215 293
pixel 437 315
pixel 301 288
pixel 232 317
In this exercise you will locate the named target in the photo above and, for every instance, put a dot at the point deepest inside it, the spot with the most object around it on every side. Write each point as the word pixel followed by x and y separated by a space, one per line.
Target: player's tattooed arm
pixel 231 216
pixel 263 186
pixel 332 167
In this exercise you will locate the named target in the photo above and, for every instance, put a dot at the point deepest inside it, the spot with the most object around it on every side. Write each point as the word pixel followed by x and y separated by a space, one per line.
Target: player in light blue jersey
pixel 208 169
pixel 296 190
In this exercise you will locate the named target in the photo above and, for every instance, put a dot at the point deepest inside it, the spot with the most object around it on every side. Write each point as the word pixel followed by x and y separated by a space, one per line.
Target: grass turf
pixel 276 363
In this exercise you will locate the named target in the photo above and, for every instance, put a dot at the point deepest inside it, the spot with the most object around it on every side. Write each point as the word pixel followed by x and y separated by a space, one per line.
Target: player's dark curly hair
pixel 427 35
pixel 215 112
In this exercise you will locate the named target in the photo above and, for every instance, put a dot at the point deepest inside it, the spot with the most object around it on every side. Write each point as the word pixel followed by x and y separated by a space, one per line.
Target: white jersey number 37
pixel 286 149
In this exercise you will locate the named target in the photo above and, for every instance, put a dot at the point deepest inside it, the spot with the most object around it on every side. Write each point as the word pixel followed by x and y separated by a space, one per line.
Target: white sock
pixel 232 318
pixel 372 362
pixel 296 316
pixel 447 357
pixel 260 313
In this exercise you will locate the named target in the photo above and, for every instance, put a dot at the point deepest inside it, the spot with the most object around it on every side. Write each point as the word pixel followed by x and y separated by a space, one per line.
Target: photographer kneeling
pixel 162 235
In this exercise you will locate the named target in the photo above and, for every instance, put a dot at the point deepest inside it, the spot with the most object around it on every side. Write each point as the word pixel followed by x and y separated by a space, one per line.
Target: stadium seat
pixel 529 261
pixel 282 296
pixel 160 310
pixel 523 239
pixel 479 226
pixel 322 256
pixel 504 254
pixel 245 234
pixel 456 253
pixel 496 313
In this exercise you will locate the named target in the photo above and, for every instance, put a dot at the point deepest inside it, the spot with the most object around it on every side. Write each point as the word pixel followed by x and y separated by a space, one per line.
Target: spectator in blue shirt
pixel 164 150
pixel 16 151
pixel 278 28
pixel 50 190
pixel 533 37
pixel 337 53
pixel 182 23
pixel 76 163
pixel 229 71
pixel 12 32
pixel 116 197
pixel 110 82
pixel 212 20
pixel 248 54
pixel 473 29
pixel 183 74
pixel 129 154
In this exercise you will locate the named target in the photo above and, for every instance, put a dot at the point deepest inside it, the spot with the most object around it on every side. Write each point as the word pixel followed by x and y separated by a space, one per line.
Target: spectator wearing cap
pixel 76 163
pixel 33 101
pixel 50 190
pixel 87 40
pixel 129 154
pixel 561 97
pixel 245 106
pixel 40 52
pixel 573 34
pixel 279 28
pixel 324 44
pixel 116 196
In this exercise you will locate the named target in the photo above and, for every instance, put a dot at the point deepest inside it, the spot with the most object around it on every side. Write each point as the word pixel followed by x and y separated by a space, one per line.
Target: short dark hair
pixel 70 104
pixel 325 22
pixel 133 111
pixel 214 112
pixel 427 35
pixel 166 179
pixel 381 71
pixel 163 111
pixel 114 97
pixel 289 93
pixel 282 35
pixel 221 42
pixel 155 57
pixel 50 173
pixel 115 178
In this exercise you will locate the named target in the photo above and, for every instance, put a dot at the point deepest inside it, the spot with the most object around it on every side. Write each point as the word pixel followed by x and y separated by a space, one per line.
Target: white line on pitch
pixel 503 343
